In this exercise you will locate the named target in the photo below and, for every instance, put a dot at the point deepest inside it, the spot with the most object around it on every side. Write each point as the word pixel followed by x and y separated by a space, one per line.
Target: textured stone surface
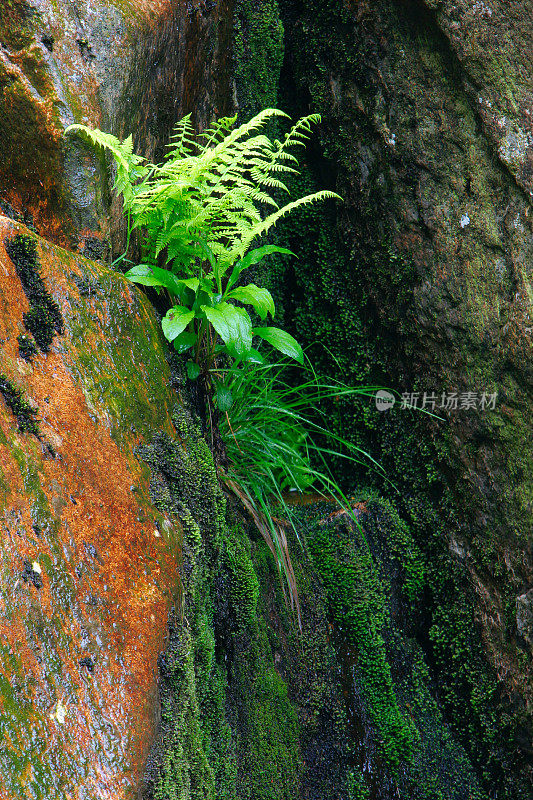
pixel 88 566
pixel 427 273
pixel 524 616
pixel 492 41
pixel 422 281
pixel 124 66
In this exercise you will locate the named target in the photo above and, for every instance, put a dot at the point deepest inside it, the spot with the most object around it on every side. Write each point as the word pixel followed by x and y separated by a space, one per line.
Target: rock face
pixel 124 66
pixel 89 567
pixel 524 616
pixel 144 645
pixel 422 282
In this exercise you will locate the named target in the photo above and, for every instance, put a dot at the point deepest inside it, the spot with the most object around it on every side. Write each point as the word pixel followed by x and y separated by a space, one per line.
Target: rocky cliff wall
pixel 412 677
pixel 89 566
pixel 422 282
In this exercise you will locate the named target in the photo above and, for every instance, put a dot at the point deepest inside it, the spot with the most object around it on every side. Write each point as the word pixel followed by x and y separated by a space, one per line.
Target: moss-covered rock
pixel 419 282
pixel 84 579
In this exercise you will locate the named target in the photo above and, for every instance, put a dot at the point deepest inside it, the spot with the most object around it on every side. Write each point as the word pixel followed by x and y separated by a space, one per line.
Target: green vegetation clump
pixel 258 54
pixel 278 445
pixel 23 411
pixel 244 591
pixel 27 348
pixel 228 728
pixel 357 606
pixel 43 320
pixel 270 765
pixel 199 213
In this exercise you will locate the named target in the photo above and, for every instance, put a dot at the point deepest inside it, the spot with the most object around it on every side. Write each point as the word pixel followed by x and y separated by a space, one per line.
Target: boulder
pixel 89 568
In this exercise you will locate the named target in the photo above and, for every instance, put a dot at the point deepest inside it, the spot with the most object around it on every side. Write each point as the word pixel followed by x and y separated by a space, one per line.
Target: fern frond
pixel 264 226
pixel 213 187
pixel 217 129
pixel 182 141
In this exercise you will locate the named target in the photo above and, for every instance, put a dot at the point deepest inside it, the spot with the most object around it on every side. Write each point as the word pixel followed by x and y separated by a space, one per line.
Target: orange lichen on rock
pixel 87 581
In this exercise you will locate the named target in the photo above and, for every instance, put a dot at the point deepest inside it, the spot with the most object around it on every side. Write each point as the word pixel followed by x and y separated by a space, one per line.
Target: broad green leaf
pixel 175 321
pixel 224 397
pixel 259 298
pixel 282 341
pixel 233 325
pixel 253 257
pixel 255 357
pixel 190 283
pixel 143 274
pixel 193 370
pixel 203 298
pixel 148 275
pixel 184 341
pixel 260 252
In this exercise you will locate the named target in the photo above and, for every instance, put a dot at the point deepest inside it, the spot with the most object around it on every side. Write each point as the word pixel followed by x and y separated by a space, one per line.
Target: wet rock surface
pixel 86 585
pixel 421 281
pixel 124 66
pixel 524 616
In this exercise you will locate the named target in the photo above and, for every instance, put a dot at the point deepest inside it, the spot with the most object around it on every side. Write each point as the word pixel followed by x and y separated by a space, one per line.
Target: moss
pixel 394 547
pixel 258 54
pixel 357 606
pixel 138 400
pixel 193 757
pixel 179 769
pixel 185 481
pixel 352 289
pixel 440 768
pixel 16 18
pixel 24 413
pixel 44 319
pixel 269 758
pixel 244 591
pixel 27 348
pixel 310 667
pixel 202 753
pixel 358 788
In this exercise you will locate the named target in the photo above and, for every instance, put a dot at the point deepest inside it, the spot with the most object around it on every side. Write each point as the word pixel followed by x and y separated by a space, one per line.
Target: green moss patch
pixel 44 319
pixel 16 17
pixel 357 605
pixel 27 347
pixel 258 54
pixel 14 399
pixel 229 728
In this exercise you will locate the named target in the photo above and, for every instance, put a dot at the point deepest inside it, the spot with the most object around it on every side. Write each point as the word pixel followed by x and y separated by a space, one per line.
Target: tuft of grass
pixel 278 446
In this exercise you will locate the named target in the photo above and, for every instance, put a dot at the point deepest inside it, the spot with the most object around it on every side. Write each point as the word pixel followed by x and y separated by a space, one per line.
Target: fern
pixel 199 213
pixel 219 181
pixel 202 213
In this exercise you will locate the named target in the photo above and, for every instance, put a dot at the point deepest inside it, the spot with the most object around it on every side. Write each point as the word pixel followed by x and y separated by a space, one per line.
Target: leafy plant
pixel 200 211
pixel 199 214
